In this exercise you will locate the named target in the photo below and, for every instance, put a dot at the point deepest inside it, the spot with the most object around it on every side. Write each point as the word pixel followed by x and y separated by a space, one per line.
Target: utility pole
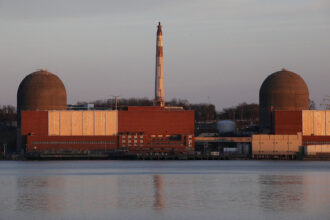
pixel 4 151
pixel 116 101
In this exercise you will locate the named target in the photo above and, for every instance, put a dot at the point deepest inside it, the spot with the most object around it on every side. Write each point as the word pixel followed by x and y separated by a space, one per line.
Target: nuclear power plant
pixel 292 130
pixel 287 128
pixel 48 129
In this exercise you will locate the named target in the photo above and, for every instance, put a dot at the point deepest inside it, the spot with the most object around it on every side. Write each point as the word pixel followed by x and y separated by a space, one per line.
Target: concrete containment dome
pixel 283 90
pixel 41 90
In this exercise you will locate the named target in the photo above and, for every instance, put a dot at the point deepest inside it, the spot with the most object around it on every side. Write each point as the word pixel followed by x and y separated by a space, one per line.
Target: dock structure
pixel 223 139
pixel 223 147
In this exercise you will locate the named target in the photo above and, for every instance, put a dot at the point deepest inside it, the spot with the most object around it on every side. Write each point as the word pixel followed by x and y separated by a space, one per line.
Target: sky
pixel 215 51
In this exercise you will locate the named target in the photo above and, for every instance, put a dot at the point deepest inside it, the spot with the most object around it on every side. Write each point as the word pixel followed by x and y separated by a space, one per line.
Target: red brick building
pixel 137 130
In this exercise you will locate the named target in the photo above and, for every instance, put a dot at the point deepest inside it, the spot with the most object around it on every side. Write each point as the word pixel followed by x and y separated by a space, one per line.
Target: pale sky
pixel 216 51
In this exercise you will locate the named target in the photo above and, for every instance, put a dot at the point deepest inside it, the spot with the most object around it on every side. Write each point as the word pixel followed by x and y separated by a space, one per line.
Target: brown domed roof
pixel 41 90
pixel 283 90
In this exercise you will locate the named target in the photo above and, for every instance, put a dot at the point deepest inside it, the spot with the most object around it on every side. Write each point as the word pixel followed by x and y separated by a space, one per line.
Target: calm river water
pixel 164 190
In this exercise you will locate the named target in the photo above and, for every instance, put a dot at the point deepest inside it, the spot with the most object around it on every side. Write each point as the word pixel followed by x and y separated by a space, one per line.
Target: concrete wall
pixel 54 126
pixel 309 122
pixel 82 123
pixel 77 122
pixel 315 122
pixel 276 144
pixel 151 121
pixel 317 149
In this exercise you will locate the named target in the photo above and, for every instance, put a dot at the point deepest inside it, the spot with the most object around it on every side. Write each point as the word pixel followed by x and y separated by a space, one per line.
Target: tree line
pixel 240 112
pixel 7 113
pixel 203 111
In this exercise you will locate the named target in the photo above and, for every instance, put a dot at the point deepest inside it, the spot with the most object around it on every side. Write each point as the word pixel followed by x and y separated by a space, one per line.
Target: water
pixel 164 190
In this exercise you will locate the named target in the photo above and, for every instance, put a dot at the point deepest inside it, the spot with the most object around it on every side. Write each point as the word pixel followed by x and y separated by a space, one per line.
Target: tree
pixel 203 112
pixel 7 113
pixel 312 105
pixel 242 111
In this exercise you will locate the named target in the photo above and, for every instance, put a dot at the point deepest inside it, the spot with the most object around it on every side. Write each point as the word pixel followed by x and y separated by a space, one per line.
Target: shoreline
pixel 72 157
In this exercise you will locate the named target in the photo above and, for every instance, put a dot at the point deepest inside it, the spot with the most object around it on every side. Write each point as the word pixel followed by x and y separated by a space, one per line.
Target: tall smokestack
pixel 159 81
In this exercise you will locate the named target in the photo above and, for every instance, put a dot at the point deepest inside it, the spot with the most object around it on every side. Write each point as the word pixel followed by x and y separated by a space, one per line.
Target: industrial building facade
pixel 306 132
pixel 45 126
pixel 137 130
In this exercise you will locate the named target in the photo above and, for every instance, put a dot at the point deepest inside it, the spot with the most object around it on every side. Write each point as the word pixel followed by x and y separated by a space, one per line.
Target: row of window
pixel 130 137
pixel 129 141
pixel 72 142
pixel 168 143
pixel 152 136
pixel 153 144
pixel 129 144
pixel 152 149
pixel 317 142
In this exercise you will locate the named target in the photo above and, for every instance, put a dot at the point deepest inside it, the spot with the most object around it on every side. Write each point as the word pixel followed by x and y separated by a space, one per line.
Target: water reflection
pixel 158 190
pixel 37 193
pixel 62 193
pixel 176 190
pixel 281 192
